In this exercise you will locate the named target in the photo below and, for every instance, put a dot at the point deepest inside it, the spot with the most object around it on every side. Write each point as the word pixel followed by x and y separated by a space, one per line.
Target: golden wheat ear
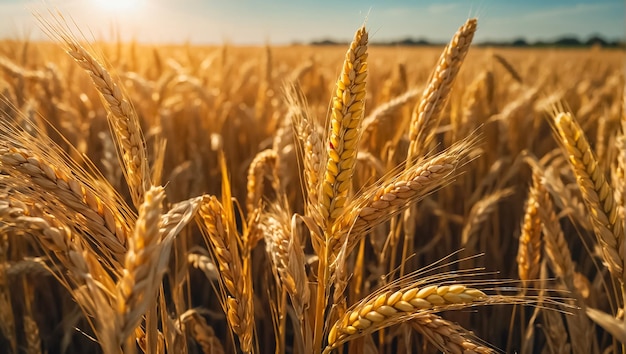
pixel 122 118
pixel 344 133
pixel 201 332
pixel 342 141
pixel 84 199
pixel 428 291
pixel 597 192
pixel 426 113
pixel 310 148
pixel 397 192
pixel 223 243
pixel 143 266
pixel 284 249
pixel 447 336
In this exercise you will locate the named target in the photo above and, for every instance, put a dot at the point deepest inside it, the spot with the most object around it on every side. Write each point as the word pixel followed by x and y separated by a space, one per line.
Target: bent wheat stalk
pixel 122 117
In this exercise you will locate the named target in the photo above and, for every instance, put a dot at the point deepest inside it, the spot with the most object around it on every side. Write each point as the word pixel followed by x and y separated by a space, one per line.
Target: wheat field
pixel 310 199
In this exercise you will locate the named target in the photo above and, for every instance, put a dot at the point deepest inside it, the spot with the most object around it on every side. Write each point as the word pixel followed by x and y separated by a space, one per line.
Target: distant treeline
pixel 568 41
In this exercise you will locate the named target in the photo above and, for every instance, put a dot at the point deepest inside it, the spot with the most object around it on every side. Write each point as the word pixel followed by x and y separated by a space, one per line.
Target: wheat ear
pixel 121 115
pixel 425 117
pixel 201 332
pixel 310 148
pixel 560 259
pixel 345 128
pixel 396 193
pixel 377 312
pixel 447 336
pixel 262 163
pixel 529 249
pixel 480 212
pixel 555 245
pixel 385 112
pixel 72 192
pixel 284 250
pixel 341 153
pixel 509 67
pixel 225 249
pixel 143 265
pixel 54 235
pixel 597 193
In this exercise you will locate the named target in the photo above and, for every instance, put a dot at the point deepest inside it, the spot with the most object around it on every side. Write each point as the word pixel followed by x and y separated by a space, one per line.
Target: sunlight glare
pixel 118 5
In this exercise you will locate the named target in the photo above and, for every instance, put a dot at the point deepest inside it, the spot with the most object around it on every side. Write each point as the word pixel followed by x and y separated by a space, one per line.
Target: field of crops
pixel 309 199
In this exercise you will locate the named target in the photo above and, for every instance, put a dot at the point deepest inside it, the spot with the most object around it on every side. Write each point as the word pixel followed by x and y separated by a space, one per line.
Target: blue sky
pixel 284 21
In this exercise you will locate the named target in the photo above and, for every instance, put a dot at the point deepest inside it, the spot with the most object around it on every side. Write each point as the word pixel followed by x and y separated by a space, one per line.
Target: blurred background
pixel 287 22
